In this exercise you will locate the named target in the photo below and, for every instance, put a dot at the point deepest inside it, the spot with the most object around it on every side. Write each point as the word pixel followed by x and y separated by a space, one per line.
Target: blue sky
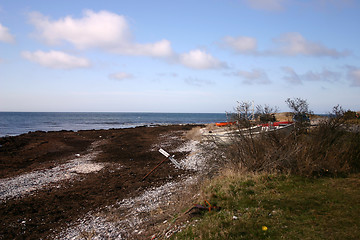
pixel 178 56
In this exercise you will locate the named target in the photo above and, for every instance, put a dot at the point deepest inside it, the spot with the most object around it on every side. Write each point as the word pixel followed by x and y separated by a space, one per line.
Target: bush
pixel 327 149
pixel 349 115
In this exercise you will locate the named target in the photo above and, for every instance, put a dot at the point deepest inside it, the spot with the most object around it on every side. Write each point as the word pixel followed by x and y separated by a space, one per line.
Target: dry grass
pixel 194 134
pixel 283 116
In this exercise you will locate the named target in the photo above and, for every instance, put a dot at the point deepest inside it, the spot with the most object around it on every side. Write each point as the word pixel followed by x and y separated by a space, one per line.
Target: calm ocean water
pixel 15 123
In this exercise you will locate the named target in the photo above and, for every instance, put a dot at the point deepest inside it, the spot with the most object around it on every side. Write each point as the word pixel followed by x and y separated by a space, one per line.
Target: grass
pixel 271 206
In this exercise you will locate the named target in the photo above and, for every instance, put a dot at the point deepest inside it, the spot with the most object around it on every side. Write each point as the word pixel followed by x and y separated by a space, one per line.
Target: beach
pixel 69 185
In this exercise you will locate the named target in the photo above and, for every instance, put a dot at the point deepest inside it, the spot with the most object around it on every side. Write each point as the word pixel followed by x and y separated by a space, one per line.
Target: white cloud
pixel 295 44
pixel 121 76
pixel 101 29
pixel 5 35
pixel 255 76
pixel 241 44
pixel 198 59
pixel 56 59
pixel 267 5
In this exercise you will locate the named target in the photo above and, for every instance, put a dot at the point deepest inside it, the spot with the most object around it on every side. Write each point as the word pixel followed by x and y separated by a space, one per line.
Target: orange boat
pixel 223 124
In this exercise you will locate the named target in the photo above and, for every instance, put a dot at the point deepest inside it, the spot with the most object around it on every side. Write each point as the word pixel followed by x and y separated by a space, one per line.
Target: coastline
pixel 16 123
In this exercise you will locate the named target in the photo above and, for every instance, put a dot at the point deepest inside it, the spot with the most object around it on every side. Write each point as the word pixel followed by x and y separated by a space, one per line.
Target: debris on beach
pixel 167 155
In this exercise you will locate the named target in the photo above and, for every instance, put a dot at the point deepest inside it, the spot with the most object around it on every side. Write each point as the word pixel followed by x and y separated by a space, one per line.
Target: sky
pixel 178 56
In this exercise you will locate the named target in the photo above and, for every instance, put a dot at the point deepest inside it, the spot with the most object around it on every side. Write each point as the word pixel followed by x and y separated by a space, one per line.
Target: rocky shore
pixel 73 185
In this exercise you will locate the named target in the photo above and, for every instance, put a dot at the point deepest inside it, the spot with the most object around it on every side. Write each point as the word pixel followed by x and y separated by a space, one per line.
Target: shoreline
pixel 99 129
pixel 13 124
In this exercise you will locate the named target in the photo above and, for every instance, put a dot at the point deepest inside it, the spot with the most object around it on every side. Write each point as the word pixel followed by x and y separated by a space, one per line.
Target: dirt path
pixel 70 175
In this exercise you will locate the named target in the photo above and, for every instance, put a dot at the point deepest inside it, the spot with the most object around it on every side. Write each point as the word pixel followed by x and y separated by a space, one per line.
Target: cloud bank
pixel 293 44
pixel 111 32
pixel 288 44
pixel 56 59
pixel 324 76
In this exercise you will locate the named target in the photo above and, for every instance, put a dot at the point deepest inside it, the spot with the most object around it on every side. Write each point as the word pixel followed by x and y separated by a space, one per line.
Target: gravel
pixel 196 159
pixel 129 217
pixel 125 218
pixel 22 185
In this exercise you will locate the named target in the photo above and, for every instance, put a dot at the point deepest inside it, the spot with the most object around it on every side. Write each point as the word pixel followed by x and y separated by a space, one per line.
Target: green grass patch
pixel 265 206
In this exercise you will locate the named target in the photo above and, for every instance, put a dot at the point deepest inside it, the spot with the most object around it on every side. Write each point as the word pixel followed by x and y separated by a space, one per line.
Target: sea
pixel 16 123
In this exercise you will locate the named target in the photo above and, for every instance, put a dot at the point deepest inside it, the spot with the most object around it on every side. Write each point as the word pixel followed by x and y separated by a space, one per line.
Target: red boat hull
pixel 223 124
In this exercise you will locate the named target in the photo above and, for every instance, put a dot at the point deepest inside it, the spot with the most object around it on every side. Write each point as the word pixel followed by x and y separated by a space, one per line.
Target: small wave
pixel 51 124
pixel 106 123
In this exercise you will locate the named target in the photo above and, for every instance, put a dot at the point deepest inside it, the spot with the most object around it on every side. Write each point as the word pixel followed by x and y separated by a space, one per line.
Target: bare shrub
pixel 249 147
pixel 327 149
pixel 266 114
pixel 242 114
pixel 301 112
